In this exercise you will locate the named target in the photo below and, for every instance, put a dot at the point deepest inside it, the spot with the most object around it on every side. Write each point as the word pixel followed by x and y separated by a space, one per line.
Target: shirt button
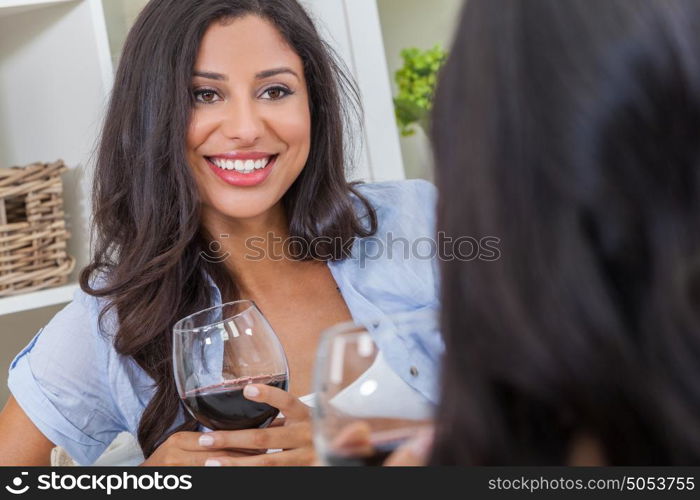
pixel 414 371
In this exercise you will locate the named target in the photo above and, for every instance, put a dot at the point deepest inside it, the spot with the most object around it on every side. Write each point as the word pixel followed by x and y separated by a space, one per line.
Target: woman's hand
pixel 357 438
pixel 414 453
pixel 249 446
pixel 185 448
pixel 293 437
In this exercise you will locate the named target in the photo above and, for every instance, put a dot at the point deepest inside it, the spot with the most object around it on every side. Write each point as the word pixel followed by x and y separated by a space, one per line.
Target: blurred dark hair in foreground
pixel 571 130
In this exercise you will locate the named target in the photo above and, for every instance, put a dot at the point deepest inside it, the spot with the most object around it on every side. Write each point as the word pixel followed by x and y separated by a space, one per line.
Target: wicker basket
pixel 33 235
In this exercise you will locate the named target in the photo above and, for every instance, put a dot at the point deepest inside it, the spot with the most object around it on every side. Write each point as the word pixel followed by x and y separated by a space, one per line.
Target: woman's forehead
pixel 245 46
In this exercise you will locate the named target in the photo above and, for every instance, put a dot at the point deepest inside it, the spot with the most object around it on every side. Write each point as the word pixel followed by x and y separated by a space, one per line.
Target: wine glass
pixel 216 353
pixel 363 410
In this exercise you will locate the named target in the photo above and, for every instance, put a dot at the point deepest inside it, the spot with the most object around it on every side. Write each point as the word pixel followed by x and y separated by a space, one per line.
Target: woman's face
pixel 250 131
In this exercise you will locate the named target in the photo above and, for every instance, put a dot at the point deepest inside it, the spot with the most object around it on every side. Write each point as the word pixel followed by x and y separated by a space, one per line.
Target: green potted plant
pixel 416 84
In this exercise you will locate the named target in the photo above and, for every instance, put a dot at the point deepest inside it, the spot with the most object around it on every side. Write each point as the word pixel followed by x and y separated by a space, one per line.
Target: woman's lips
pixel 236 178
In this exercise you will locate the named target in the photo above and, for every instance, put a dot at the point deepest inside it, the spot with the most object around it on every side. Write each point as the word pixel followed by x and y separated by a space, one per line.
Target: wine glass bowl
pixel 216 353
pixel 363 410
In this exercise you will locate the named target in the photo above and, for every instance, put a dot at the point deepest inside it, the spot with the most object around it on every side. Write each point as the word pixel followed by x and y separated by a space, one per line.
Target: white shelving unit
pixel 352 27
pixel 35 300
pixel 11 7
pixel 56 73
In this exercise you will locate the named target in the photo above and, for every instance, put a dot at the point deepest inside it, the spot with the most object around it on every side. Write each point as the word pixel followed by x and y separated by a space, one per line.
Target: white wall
pixel 422 24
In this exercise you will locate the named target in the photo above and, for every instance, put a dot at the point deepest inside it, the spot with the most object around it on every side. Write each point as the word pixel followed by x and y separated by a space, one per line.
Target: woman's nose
pixel 241 121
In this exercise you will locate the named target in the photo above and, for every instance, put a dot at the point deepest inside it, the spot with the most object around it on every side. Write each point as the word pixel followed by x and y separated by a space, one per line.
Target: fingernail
pixel 206 440
pixel 421 444
pixel 250 391
pixel 212 462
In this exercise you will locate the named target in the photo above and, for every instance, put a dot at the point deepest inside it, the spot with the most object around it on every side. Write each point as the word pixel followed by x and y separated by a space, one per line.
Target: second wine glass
pixel 363 409
pixel 216 353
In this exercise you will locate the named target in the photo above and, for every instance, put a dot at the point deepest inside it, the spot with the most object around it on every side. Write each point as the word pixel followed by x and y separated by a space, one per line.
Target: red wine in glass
pixel 223 406
pixel 376 457
pixel 371 453
pixel 216 353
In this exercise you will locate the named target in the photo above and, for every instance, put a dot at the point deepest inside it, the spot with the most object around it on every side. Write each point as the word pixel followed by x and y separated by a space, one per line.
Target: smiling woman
pixel 225 126
pixel 251 125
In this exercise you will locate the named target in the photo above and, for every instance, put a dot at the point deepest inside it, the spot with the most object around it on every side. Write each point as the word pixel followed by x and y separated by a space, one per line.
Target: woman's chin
pixel 249 211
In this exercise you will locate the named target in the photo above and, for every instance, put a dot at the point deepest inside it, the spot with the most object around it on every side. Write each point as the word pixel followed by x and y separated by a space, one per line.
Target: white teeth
pixel 244 166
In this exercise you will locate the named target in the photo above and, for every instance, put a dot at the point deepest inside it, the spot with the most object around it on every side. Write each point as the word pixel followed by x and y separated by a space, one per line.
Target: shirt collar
pixel 216 293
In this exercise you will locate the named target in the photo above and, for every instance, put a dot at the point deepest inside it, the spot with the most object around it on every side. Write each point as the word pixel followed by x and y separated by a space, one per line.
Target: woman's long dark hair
pixel 570 129
pixel 145 200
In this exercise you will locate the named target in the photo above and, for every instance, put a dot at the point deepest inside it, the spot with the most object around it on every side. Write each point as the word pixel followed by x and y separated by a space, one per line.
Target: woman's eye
pixel 205 95
pixel 275 93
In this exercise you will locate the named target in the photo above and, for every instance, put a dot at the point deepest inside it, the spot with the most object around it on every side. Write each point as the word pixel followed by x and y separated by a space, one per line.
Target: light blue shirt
pixel 81 393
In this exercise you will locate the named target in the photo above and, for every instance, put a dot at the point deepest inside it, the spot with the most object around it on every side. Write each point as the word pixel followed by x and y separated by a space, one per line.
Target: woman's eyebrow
pixel 210 75
pixel 258 76
pixel 276 71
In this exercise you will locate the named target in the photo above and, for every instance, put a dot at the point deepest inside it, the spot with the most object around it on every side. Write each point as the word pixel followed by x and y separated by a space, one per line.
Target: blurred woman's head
pixel 570 130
